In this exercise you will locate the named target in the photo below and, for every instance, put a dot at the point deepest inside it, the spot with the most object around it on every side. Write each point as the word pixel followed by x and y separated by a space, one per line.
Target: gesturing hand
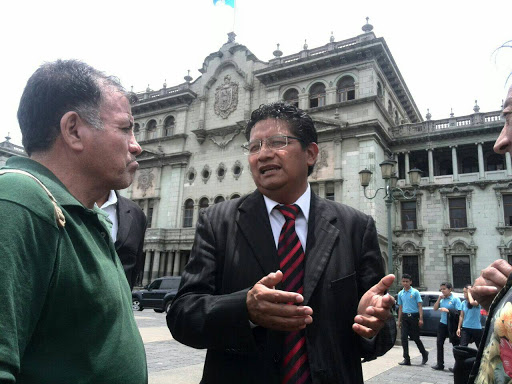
pixel 374 308
pixel 271 308
pixel 491 280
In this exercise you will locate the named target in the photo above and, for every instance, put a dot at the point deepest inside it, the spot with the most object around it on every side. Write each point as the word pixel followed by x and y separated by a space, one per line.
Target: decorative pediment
pixel 147 154
pixel 220 136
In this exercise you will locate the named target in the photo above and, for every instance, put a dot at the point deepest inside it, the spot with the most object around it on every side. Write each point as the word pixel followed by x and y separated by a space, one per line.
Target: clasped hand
pixel 266 307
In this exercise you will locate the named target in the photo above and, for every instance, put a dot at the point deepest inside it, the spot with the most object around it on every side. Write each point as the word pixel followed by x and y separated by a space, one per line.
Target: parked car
pixel 157 295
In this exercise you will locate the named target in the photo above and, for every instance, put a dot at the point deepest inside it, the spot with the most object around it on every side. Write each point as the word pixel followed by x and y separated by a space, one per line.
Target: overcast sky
pixel 444 50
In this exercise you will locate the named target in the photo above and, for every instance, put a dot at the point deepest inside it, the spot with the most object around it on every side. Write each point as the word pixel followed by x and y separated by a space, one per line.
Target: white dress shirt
pixel 277 219
pixel 110 207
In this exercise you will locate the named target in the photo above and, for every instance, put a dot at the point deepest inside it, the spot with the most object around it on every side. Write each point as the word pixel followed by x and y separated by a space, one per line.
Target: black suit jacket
pixel 234 248
pixel 130 238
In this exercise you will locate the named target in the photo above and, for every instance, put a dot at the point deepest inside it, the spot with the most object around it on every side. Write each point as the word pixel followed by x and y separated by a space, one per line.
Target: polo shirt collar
pixel 50 181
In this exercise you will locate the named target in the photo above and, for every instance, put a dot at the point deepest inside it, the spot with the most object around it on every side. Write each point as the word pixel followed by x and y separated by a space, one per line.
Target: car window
pixel 170 284
pixel 155 284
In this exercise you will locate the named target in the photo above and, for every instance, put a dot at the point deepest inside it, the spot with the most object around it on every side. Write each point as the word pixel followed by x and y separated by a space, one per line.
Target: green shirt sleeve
pixel 27 257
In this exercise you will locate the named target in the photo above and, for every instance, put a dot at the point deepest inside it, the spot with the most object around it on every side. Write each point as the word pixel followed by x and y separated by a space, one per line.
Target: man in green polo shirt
pixel 410 318
pixel 66 305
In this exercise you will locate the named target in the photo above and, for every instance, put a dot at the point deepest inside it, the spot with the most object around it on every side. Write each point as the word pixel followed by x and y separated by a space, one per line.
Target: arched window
pixel 169 126
pixel 345 89
pixel 317 95
pixel 218 199
pixel 495 162
pixel 204 202
pixel 151 129
pixel 291 96
pixel 445 168
pixel 469 165
pixel 390 107
pixel 380 93
pixel 188 214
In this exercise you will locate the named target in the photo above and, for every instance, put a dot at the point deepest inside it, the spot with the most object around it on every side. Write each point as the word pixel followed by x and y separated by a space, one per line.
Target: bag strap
pixel 59 216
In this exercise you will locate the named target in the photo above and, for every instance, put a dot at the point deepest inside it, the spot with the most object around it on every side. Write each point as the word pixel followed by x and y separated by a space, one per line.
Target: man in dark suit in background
pixel 128 231
pixel 280 245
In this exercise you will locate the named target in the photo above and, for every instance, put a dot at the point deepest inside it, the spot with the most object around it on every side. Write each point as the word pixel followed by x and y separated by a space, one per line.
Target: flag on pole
pixel 230 3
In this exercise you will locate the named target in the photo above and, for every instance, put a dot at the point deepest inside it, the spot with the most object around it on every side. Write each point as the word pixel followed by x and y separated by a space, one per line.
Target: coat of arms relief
pixel 226 97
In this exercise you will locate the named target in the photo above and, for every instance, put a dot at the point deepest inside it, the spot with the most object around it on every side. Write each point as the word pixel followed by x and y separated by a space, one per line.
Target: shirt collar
pixel 303 202
pixel 50 181
pixel 112 200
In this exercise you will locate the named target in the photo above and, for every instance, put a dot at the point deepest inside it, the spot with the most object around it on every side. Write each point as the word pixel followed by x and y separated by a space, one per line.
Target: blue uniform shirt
pixel 471 316
pixel 451 302
pixel 409 300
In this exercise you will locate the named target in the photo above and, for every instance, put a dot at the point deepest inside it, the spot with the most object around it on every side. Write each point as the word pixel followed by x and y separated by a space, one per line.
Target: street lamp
pixel 390 179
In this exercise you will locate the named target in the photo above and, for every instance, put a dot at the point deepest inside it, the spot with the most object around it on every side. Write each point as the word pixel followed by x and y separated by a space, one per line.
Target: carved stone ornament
pixel 145 180
pixel 321 162
pixel 226 98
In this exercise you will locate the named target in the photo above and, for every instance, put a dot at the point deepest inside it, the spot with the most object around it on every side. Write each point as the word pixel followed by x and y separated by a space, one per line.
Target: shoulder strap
pixel 59 216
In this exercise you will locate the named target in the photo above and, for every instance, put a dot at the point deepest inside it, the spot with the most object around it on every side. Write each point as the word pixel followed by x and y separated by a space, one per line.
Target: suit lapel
pixel 321 238
pixel 254 224
pixel 124 222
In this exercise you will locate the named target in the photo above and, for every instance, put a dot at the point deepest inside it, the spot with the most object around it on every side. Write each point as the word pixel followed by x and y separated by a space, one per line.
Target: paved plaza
pixel 172 362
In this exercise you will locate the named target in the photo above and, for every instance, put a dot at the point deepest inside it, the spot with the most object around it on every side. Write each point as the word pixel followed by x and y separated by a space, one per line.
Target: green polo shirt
pixel 66 314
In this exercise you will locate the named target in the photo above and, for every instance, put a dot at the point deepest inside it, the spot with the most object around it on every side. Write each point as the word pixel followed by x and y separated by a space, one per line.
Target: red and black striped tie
pixel 295 366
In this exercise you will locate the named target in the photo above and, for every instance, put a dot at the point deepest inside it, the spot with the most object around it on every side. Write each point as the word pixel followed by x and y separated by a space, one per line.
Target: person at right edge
pixel 493 362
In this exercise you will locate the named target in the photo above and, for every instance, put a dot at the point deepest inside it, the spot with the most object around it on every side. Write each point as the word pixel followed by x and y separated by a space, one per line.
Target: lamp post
pixel 390 179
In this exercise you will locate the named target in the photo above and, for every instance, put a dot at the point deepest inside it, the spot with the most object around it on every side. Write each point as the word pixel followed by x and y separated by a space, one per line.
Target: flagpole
pixel 234 14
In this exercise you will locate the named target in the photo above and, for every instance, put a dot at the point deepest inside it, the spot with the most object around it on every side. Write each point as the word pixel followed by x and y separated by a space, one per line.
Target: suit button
pixel 277 357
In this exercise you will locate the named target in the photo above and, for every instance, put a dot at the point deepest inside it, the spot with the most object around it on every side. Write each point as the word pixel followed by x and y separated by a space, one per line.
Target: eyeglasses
pixel 253 147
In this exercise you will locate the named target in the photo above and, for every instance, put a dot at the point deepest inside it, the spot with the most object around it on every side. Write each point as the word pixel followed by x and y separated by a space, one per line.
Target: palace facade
pixel 459 221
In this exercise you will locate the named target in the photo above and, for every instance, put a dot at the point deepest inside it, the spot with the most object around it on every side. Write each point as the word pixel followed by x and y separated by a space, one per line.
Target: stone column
pixel 176 268
pixel 321 189
pixel 508 163
pixel 195 216
pixel 147 264
pixel 481 171
pixel 202 111
pixel 338 170
pixel 303 100
pixel 455 165
pixel 156 264
pixel 171 262
pixel 330 95
pixel 397 165
pixel 430 165
pixel 407 169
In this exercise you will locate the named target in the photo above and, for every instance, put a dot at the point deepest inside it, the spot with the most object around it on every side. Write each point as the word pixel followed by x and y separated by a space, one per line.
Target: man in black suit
pixel 234 296
pixel 128 231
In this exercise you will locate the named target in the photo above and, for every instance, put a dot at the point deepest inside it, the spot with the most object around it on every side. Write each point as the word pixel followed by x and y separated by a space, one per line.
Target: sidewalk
pixel 376 372
pixel 172 362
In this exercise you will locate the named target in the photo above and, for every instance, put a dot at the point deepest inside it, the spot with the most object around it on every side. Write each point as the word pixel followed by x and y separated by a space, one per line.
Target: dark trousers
pixel 470 335
pixel 442 334
pixel 411 327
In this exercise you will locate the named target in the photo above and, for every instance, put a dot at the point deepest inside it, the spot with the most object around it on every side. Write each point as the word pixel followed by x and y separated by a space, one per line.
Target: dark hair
pixel 301 124
pixel 406 276
pixel 55 89
pixel 447 285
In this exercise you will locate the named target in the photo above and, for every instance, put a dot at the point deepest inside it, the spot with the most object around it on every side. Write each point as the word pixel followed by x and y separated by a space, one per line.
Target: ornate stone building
pixel 8 149
pixel 364 113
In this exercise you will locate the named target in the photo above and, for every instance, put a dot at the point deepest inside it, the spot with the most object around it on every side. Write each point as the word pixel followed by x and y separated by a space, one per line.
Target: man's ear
pixel 312 151
pixel 71 130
